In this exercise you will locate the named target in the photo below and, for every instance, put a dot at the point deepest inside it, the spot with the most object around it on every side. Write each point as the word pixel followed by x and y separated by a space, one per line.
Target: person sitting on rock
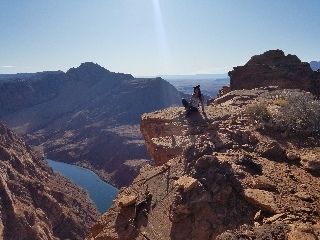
pixel 195 101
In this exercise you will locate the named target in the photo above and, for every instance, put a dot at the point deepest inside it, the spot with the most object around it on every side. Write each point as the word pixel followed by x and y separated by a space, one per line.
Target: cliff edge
pixel 216 176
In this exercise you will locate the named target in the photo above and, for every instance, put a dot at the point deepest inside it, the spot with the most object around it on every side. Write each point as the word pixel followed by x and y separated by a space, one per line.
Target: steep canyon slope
pixel 35 202
pixel 88 116
pixel 218 177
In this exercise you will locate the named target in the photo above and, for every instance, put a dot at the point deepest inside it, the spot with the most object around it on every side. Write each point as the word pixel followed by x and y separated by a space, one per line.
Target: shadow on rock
pixel 213 206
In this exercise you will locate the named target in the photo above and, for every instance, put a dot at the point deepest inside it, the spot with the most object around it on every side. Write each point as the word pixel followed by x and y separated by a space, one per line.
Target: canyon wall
pixel 35 202
pixel 87 116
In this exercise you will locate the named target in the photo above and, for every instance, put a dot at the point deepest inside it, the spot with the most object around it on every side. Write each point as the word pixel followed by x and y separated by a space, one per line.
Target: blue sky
pixel 153 37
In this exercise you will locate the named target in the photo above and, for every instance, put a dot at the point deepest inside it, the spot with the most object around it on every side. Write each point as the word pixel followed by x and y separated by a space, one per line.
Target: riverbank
pixel 100 192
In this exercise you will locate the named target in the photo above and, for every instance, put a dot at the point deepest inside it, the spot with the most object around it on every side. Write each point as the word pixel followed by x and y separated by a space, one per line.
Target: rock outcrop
pixel 315 65
pixel 216 177
pixel 35 202
pixel 274 68
pixel 87 116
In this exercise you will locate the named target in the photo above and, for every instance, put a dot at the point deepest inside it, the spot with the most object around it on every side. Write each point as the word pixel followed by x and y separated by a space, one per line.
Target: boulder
pixel 292 156
pixel 261 199
pixel 310 161
pixel 271 150
pixel 261 182
pixel 186 183
pixel 125 201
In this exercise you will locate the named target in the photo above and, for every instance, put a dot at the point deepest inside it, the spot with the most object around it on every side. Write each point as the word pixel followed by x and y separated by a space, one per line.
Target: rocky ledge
pixel 217 177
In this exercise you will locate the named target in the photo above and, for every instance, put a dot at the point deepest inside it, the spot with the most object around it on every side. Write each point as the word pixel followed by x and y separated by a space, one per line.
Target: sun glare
pixel 163 48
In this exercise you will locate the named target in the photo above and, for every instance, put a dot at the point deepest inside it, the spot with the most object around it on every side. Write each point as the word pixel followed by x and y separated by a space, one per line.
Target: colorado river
pixel 100 192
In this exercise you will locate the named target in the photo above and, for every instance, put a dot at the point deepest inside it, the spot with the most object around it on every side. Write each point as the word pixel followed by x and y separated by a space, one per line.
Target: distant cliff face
pixel 274 68
pixel 35 202
pixel 315 65
pixel 217 177
pixel 88 115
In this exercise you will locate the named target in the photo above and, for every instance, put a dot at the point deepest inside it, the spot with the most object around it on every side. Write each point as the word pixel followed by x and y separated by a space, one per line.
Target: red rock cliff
pixel 35 202
pixel 274 68
pixel 216 177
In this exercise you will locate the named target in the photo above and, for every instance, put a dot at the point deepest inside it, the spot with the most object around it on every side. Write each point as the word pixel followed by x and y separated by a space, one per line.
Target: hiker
pixel 195 101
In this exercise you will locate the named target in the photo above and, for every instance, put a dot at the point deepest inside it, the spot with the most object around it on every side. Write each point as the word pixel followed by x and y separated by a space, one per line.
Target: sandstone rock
pixel 273 218
pixel 256 224
pixel 292 156
pixel 186 183
pixel 257 216
pixel 261 199
pixel 218 207
pixel 272 231
pixel 261 182
pixel 228 236
pixel 303 231
pixel 125 201
pixel 273 68
pixel 298 235
pixel 303 196
pixel 311 162
pixel 271 150
pixel 249 164
pixel 130 169
pixel 205 162
pixel 223 91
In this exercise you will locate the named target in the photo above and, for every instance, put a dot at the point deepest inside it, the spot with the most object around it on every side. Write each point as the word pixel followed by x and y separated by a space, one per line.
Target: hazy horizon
pixel 153 37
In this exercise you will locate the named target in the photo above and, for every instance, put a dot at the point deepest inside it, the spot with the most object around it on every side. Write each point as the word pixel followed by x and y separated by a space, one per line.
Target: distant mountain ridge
pixel 88 116
pixel 315 65
pixel 23 76
pixel 17 75
pixel 190 76
pixel 209 87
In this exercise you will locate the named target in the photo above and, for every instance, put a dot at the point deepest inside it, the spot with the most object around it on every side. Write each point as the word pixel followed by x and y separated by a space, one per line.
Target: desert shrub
pixel 258 114
pixel 300 116
pixel 280 100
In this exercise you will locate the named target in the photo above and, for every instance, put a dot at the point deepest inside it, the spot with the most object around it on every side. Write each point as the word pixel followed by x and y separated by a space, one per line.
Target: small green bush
pixel 258 115
pixel 300 116
pixel 296 113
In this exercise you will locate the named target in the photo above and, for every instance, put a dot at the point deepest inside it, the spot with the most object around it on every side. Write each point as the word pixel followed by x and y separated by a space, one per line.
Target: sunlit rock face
pixel 274 68
pixel 35 202
pixel 217 177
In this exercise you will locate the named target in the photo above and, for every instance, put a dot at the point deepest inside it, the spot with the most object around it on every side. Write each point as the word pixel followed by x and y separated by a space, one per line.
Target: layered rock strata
pixel 87 116
pixel 216 177
pixel 35 202
pixel 274 68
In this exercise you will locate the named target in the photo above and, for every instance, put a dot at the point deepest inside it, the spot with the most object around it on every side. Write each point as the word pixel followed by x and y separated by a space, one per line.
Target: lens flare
pixel 162 43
